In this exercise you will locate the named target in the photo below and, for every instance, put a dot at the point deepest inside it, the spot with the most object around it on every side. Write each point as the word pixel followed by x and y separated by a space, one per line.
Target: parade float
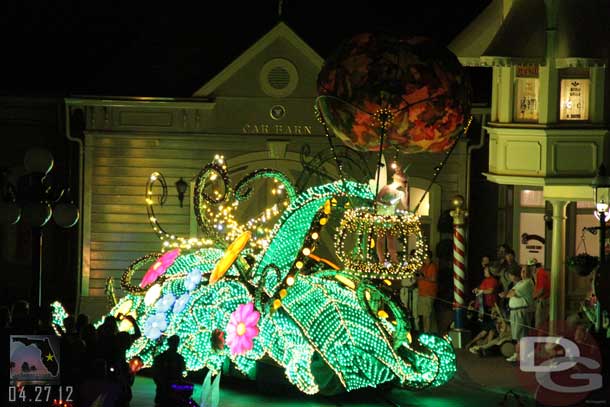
pixel 242 294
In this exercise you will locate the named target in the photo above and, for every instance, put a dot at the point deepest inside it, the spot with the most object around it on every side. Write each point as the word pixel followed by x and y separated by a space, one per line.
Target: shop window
pixel 527 88
pixel 530 198
pixel 574 95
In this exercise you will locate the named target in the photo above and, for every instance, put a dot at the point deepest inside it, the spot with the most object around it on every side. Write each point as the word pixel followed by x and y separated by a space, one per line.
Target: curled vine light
pixel 169 240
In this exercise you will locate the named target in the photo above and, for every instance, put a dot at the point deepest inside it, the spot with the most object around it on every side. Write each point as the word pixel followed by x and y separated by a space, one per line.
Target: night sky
pixel 172 48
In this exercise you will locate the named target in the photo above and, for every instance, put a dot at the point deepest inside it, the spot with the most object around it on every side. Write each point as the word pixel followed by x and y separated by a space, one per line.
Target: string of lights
pixel 366 225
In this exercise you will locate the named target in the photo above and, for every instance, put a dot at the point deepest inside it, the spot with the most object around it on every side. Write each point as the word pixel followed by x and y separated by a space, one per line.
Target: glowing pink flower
pixel 159 267
pixel 242 329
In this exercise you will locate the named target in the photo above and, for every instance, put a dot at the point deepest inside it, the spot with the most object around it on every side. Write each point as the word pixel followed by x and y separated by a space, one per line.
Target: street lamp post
pixel 31 201
pixel 601 188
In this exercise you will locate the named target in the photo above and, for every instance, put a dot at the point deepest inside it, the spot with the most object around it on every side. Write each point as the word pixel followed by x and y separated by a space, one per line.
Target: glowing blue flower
pixel 155 325
pixel 165 303
pixel 192 279
pixel 180 303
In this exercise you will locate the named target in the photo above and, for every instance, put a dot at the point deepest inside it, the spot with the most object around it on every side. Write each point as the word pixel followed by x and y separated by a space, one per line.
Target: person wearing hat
pixel 542 291
pixel 391 197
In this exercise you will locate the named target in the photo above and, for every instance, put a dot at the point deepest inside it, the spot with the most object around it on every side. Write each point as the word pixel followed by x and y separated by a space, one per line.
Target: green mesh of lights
pixel 319 318
pixel 291 229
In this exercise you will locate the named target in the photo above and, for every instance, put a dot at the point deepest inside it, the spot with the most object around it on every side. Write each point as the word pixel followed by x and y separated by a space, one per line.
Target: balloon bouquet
pixel 238 298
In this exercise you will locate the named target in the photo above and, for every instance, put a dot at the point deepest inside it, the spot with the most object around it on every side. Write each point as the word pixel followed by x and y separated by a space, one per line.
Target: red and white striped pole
pixel 459 215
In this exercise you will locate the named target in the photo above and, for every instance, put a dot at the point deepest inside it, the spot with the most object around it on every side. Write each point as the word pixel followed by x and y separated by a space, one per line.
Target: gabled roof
pixel 281 30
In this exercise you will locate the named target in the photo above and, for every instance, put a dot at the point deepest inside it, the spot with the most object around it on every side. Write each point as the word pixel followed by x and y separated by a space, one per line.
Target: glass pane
pixel 526 99
pixel 532 198
pixel 574 99
pixel 531 231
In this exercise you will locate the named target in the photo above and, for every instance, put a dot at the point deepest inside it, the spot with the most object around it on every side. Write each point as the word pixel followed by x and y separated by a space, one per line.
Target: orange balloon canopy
pixel 411 88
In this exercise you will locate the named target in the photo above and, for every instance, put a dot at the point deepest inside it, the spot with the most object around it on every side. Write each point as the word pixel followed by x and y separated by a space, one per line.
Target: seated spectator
pixel 495 339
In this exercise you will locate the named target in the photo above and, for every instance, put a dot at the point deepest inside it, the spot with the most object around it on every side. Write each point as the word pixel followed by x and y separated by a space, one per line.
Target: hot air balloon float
pixel 246 293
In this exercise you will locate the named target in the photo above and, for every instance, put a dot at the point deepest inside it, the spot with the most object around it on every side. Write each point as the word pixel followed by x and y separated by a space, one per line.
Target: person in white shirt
pixel 520 303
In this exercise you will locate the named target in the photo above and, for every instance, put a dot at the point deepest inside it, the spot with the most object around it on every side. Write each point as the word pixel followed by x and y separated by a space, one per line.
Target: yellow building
pixel 548 125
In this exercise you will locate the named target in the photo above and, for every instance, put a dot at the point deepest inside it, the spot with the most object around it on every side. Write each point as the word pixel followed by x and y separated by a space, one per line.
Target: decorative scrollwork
pixel 201 196
pixel 152 218
pixel 243 190
pixel 128 274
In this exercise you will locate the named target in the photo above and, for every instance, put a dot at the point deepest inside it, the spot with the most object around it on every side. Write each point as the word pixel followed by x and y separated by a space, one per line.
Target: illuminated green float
pixel 328 329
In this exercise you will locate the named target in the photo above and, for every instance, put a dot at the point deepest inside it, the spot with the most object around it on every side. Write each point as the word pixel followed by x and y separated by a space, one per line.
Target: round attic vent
pixel 278 77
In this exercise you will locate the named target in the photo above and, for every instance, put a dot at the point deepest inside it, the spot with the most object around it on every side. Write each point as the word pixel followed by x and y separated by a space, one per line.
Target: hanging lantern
pixel 378 90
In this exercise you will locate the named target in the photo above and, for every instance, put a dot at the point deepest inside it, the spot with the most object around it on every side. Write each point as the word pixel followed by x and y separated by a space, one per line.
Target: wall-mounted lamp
pixel 181 187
